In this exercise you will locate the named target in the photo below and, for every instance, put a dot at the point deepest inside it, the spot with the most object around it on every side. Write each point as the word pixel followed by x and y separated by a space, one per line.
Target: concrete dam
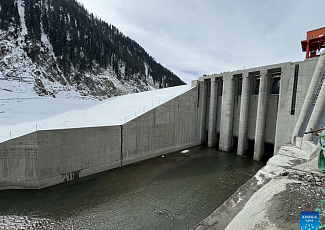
pixel 251 111
pixel 260 109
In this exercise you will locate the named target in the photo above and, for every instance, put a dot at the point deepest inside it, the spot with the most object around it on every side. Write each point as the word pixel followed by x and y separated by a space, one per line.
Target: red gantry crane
pixel 314 42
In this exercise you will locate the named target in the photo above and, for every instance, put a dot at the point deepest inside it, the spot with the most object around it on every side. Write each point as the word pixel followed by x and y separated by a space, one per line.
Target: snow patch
pixel 259 178
pixel 21 11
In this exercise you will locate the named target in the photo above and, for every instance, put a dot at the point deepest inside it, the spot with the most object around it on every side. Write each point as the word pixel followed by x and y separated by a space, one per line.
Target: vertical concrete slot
pixel 294 90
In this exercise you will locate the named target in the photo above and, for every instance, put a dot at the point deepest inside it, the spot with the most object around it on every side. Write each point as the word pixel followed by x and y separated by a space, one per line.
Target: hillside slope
pixel 56 47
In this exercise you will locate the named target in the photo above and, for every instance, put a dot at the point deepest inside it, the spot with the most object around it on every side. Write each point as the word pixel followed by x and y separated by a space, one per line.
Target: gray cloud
pixel 196 37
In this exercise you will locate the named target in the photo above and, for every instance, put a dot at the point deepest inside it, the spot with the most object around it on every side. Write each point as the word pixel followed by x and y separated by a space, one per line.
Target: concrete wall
pixel 286 121
pixel 167 128
pixel 46 158
pixel 19 162
pixel 69 154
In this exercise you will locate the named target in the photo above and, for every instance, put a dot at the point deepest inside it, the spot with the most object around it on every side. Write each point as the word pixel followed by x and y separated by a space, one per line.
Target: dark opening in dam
pixel 172 192
pixel 235 144
pixel 268 150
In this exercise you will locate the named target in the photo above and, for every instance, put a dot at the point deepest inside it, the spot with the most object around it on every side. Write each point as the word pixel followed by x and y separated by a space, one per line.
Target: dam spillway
pixel 260 109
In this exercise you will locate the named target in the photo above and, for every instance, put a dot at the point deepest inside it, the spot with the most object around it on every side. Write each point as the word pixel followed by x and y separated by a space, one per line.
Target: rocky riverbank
pixel 273 199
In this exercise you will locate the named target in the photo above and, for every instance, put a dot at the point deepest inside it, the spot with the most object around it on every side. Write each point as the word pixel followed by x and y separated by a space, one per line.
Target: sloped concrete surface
pixel 273 199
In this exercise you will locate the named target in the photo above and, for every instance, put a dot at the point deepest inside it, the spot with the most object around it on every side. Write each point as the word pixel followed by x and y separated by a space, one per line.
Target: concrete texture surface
pixel 202 109
pixel 227 108
pixel 261 116
pixel 310 95
pixel 213 112
pixel 46 158
pixel 167 128
pixel 318 110
pixel 243 120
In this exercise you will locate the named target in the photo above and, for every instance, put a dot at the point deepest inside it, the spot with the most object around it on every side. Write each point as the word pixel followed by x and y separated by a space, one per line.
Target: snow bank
pixel 20 115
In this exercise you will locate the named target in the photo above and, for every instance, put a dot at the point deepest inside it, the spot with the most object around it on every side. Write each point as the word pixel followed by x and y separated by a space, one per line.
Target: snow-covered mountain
pixel 55 47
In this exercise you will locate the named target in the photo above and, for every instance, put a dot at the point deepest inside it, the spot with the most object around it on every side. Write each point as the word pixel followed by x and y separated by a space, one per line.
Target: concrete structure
pixel 227 107
pixel 261 116
pixel 291 181
pixel 167 128
pixel 202 90
pixel 212 112
pixel 46 158
pixel 49 157
pixel 309 101
pixel 318 102
pixel 243 119
pixel 259 108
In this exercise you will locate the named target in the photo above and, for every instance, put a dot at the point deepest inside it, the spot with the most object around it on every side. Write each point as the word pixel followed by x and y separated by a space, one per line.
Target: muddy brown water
pixel 176 191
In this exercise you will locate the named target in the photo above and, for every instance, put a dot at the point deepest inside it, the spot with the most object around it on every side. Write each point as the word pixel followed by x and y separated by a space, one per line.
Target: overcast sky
pixel 196 37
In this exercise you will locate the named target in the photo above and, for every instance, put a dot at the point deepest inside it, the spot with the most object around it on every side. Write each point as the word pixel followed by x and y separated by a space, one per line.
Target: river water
pixel 176 191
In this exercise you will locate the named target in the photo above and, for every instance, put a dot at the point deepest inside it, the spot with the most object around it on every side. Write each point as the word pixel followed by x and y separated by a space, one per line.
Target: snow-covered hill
pixel 30 65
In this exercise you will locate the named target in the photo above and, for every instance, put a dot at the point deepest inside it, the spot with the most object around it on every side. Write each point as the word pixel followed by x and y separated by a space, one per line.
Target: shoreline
pixel 270 199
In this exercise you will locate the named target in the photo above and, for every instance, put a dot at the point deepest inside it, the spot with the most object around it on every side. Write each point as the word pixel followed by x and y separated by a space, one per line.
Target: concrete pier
pixel 285 80
pixel 243 118
pixel 213 113
pixel 261 116
pixel 227 110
